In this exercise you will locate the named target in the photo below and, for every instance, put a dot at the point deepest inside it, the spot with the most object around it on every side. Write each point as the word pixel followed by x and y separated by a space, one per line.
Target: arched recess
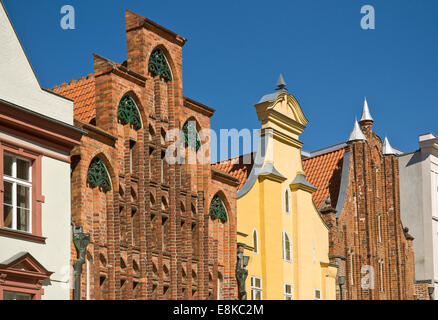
pixel 128 111
pixel 218 210
pixel 159 65
pixel 190 133
pixel 97 175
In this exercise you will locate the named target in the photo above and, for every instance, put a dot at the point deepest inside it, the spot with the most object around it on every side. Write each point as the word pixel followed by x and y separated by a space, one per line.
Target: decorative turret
pixel 387 149
pixel 356 134
pixel 366 122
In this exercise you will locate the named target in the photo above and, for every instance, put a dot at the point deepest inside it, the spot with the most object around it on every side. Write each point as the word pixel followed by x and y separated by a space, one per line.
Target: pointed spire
pixel 366 115
pixel 281 84
pixel 356 134
pixel 387 149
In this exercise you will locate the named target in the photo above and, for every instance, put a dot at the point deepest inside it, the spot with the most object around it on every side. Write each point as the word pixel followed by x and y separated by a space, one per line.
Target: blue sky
pixel 236 50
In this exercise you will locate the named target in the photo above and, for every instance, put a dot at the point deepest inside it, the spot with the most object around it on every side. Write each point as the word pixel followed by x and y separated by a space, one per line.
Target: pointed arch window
pixel 190 135
pixel 217 209
pixel 255 241
pixel 128 112
pixel 158 64
pixel 286 247
pixel 98 175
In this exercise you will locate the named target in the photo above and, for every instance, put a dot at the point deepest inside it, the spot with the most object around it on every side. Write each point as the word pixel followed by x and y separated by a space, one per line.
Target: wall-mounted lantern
pixel 241 272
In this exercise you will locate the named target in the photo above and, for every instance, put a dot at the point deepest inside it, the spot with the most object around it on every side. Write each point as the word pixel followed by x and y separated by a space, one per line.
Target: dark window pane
pixel 7 295
pixel 23 169
pixel 23 197
pixel 7 165
pixel 8 193
pixel 7 216
pixel 23 220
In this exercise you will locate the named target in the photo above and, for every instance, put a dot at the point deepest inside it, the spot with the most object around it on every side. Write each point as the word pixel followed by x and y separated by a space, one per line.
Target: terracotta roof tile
pixel 324 172
pixel 236 168
pixel 81 91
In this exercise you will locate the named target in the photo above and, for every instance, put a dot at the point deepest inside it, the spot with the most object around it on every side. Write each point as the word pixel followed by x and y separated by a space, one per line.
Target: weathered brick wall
pixel 369 231
pixel 151 235
pixel 421 290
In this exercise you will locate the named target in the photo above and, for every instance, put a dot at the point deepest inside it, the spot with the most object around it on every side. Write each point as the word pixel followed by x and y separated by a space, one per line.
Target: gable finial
pixel 356 134
pixel 281 84
pixel 366 115
pixel 387 149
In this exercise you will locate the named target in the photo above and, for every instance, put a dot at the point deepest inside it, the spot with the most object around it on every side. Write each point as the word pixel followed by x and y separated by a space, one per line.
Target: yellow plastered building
pixel 277 222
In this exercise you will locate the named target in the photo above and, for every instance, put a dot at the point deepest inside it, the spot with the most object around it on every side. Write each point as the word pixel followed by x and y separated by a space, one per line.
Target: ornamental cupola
pixel 281 111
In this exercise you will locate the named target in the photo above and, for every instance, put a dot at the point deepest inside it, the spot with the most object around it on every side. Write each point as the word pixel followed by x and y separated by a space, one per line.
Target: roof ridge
pixel 73 82
pixel 324 154
pixel 233 158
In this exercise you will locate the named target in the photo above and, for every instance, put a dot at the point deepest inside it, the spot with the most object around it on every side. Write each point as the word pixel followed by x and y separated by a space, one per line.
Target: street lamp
pixel 81 241
pixel 241 272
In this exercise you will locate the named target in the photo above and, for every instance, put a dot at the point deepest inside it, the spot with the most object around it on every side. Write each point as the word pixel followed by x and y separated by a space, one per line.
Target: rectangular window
pixel 256 288
pixel 317 294
pixel 9 295
pixel 17 198
pixel 288 291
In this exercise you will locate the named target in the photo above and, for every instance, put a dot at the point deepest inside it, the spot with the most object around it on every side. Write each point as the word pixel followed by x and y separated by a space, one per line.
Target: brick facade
pixel 366 229
pixel 151 235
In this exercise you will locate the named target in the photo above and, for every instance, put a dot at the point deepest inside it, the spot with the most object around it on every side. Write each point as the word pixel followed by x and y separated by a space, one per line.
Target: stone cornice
pixel 37 127
pixel 198 107
pixel 144 22
pixel 224 177
pixel 120 70
pixel 284 137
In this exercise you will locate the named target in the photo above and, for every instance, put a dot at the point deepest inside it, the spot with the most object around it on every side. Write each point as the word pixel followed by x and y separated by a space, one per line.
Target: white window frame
pixel 285 234
pixel 16 181
pixel 288 295
pixel 314 294
pixel 255 245
pixel 255 289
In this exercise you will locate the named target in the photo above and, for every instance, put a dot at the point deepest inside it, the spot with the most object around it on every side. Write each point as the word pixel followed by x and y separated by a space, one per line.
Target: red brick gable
pixel 149 235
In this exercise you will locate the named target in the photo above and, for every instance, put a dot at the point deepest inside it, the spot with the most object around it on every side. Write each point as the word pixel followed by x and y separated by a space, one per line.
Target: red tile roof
pixel 81 91
pixel 324 172
pixel 236 168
